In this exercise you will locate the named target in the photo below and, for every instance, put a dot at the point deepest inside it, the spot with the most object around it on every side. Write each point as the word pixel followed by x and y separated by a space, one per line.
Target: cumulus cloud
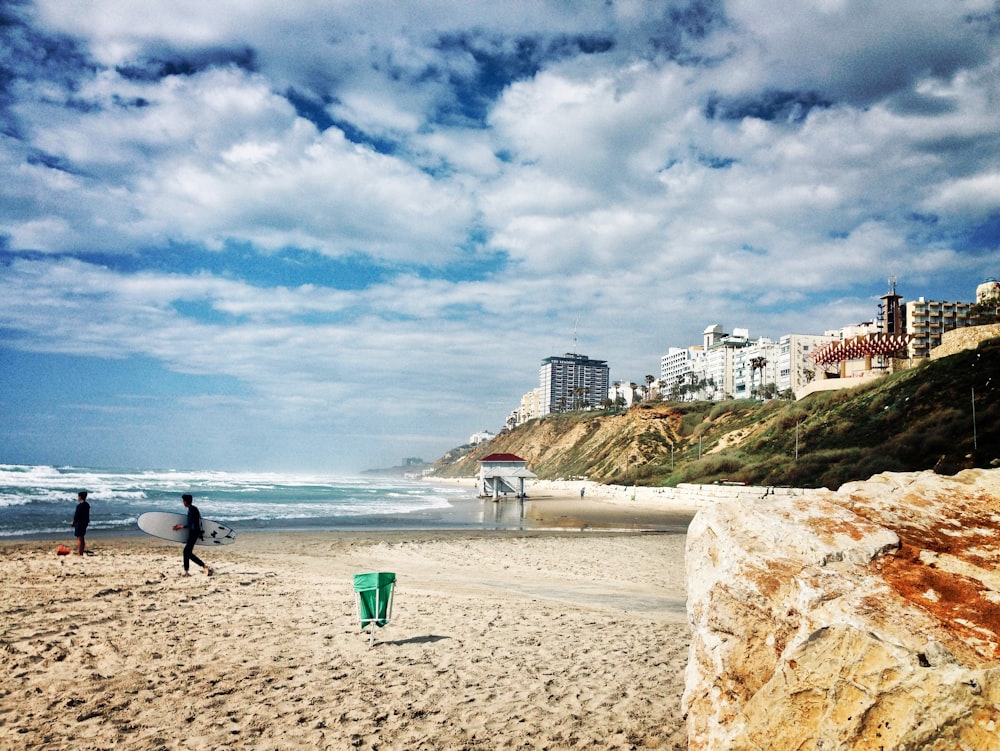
pixel 320 201
pixel 973 196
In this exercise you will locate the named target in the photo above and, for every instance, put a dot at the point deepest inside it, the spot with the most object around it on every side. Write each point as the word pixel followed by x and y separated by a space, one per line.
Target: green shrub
pixel 719 409
pixel 690 422
pixel 726 464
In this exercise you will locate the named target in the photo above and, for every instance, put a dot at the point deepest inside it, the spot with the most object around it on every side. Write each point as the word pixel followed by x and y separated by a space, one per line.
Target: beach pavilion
pixel 500 474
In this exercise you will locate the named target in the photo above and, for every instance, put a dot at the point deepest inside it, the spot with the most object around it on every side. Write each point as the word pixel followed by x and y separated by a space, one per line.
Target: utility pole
pixel 975 442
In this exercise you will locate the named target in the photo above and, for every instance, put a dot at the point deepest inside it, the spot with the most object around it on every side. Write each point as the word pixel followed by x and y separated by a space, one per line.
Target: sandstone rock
pixel 866 618
pixel 967 337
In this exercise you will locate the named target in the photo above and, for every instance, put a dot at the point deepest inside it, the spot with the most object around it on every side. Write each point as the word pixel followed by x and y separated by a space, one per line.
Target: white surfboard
pixel 161 524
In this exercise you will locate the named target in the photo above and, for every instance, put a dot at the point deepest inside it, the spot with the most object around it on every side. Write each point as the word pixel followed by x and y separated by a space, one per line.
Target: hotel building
pixel 572 381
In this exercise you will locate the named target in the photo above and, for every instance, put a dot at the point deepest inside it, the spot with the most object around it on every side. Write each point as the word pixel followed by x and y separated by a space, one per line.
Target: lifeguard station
pixel 373 596
pixel 500 474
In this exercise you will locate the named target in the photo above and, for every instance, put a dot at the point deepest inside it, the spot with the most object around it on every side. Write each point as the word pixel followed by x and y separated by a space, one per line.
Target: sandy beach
pixel 500 640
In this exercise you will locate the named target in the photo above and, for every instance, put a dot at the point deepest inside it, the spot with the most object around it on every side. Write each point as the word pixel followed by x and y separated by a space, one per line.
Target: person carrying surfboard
pixel 193 526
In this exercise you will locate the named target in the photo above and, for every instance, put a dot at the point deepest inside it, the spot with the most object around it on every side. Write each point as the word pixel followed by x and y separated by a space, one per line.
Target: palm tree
pixel 678 389
pixel 693 386
pixel 756 363
pixel 649 385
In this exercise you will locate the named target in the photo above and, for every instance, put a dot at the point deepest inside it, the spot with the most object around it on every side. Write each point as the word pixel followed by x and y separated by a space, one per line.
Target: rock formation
pixel 866 618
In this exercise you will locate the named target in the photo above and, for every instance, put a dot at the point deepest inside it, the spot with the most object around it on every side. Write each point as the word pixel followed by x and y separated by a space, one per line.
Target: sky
pixel 325 235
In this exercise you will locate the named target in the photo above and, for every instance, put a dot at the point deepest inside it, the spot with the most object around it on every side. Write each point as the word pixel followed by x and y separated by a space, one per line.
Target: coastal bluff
pixel 862 618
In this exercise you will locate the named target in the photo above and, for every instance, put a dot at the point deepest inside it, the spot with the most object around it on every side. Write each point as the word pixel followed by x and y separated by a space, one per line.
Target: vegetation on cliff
pixel 924 418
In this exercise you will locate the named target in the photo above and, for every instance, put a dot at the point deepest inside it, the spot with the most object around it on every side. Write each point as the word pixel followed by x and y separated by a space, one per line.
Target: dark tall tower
pixel 891 311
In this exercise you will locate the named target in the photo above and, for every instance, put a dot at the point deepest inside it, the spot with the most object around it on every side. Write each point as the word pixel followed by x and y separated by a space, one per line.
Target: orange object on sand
pixel 63 550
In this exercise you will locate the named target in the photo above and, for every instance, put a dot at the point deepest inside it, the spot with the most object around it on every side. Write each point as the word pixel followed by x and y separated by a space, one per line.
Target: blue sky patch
pixel 985 237
pixel 784 106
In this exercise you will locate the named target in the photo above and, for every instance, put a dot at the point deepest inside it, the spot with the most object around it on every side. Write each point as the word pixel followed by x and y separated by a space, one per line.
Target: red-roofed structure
pixel 497 458
pixel 502 474
pixel 861 347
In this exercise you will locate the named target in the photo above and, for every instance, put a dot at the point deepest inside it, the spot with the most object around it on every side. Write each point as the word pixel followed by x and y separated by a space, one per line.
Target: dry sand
pixel 500 640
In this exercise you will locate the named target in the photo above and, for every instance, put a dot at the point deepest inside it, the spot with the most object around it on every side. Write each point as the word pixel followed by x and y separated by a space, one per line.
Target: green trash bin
pixel 373 595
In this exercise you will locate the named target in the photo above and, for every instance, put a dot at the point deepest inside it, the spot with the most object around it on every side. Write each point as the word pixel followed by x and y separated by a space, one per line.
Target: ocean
pixel 38 501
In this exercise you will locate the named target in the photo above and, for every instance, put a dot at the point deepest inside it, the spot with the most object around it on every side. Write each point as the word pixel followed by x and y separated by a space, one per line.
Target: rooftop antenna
pixel 576 321
pixel 892 285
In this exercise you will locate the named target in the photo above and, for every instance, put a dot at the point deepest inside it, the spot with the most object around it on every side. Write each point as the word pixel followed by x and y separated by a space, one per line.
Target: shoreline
pixel 499 638
pixel 551 505
pixel 661 499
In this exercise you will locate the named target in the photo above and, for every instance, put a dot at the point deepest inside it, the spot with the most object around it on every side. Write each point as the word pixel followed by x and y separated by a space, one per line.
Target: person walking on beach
pixel 193 527
pixel 81 519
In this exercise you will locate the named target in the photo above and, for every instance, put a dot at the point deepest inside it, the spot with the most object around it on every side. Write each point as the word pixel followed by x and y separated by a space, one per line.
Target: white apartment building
pixel 726 363
pixel 530 407
pixel 748 379
pixel 717 365
pixel 795 369
pixel 927 320
pixel 627 394
pixel 572 381
pixel 678 366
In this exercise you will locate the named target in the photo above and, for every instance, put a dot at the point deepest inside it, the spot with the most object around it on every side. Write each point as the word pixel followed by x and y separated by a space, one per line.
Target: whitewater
pixel 37 500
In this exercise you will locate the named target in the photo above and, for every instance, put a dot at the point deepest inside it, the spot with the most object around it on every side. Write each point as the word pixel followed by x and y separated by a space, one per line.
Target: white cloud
pixel 181 168
pixel 322 193
pixel 767 169
pixel 976 197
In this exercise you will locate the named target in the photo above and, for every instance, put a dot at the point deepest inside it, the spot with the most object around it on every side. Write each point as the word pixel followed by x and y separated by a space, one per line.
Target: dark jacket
pixel 81 517
pixel 194 523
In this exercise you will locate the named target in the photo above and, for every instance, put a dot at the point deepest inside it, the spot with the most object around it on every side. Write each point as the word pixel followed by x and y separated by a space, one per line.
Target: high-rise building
pixel 717 366
pixel 572 381
pixel 927 320
pixel 677 371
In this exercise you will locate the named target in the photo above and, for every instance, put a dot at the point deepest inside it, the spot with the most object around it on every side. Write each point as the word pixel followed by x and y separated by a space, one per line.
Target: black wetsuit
pixel 81 519
pixel 194 534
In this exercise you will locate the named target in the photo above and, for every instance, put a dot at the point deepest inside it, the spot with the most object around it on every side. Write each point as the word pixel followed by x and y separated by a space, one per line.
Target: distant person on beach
pixel 193 527
pixel 81 519
pixel 582 490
